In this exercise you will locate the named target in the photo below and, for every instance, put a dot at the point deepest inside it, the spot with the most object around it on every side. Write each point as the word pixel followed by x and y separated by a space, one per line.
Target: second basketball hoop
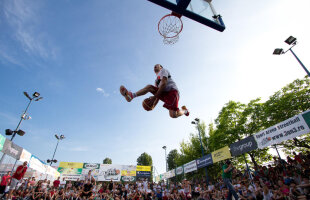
pixel 169 27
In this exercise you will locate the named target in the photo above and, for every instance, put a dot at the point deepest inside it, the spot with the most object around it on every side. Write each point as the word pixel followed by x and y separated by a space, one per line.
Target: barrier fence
pixel 286 130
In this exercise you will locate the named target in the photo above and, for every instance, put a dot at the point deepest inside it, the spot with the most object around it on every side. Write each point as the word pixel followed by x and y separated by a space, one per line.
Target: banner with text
pixel 109 172
pixel 221 154
pixel 286 130
pixel 190 166
pixel 70 170
pixel 25 156
pixel 204 161
pixel 128 173
pixel 2 140
pixel 243 146
pixel 144 168
pixel 12 149
pixel 93 167
pixel 179 170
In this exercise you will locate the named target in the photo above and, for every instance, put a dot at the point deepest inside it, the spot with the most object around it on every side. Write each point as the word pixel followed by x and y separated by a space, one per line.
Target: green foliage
pixel 172 157
pixel 107 161
pixel 145 159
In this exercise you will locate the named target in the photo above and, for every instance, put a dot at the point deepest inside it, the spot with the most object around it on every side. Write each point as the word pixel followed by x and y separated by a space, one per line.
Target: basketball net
pixel 169 27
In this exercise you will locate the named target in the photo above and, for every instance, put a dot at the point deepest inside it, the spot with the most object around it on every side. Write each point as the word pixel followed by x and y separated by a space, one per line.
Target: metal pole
pixel 54 152
pixel 14 133
pixel 207 180
pixel 303 66
pixel 21 119
pixel 248 169
pixel 278 152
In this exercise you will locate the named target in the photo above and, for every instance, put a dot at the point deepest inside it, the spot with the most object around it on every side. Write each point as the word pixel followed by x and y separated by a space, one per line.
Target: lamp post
pixel 24 116
pixel 165 148
pixel 291 41
pixel 61 137
pixel 196 122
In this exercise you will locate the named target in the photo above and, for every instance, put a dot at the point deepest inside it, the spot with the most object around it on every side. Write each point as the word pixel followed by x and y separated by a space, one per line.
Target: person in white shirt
pixel 63 183
pixel 165 89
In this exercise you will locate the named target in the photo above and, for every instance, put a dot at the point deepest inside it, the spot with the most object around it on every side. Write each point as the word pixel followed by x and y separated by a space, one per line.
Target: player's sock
pixel 134 95
pixel 186 112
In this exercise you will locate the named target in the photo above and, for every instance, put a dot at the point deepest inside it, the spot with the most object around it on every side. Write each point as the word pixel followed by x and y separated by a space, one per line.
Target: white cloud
pixel 23 18
pixel 100 90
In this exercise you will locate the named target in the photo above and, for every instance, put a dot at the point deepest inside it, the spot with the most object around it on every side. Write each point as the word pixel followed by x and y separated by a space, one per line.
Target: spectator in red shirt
pixel 18 176
pixel 4 182
pixel 56 183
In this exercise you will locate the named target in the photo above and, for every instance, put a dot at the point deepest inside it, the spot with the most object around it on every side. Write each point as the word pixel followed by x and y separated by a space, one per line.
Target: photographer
pixel 226 174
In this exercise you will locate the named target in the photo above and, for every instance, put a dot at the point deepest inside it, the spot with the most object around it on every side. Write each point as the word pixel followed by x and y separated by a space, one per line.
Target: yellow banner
pixel 128 173
pixel 71 165
pixel 144 168
pixel 221 154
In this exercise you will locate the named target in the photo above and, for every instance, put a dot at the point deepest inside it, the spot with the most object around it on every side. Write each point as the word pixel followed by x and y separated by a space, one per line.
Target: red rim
pixel 169 16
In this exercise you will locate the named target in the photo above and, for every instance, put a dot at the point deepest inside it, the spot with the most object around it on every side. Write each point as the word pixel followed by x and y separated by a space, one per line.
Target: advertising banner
pixel 109 172
pixel 144 168
pixel 128 173
pixel 171 173
pixel 71 165
pixel 70 170
pixel 12 149
pixel 190 166
pixel 204 161
pixel 143 174
pixel 243 146
pixel 179 170
pixel 25 156
pixel 288 129
pixel 36 164
pixel 93 167
pixel 221 154
pixel 2 140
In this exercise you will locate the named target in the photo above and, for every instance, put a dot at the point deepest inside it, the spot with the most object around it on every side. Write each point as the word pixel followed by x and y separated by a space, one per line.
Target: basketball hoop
pixel 170 26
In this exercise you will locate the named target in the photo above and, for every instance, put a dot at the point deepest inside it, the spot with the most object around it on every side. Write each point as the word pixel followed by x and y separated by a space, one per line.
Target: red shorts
pixel 170 99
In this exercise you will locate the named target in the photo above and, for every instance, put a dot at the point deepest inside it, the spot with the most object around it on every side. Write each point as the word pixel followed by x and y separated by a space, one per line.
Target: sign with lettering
pixel 190 166
pixel 243 146
pixel 204 161
pixel 288 129
pixel 12 149
pixel 221 154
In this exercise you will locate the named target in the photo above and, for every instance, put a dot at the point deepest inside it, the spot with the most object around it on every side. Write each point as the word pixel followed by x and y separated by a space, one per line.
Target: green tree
pixel 146 160
pixel 291 100
pixel 107 161
pixel 172 157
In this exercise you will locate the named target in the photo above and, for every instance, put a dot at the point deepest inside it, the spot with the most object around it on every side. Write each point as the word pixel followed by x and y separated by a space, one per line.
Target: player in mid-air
pixel 165 90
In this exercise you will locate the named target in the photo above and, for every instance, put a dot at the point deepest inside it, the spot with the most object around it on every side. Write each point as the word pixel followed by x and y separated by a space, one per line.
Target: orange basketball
pixel 148 103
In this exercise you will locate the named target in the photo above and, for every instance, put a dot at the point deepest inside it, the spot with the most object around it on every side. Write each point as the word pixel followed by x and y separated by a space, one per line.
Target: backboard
pixel 201 11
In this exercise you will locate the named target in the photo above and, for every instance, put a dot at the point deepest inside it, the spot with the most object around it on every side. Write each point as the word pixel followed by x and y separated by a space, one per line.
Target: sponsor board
pixel 12 149
pixel 2 140
pixel 128 178
pixel 243 146
pixel 221 154
pixel 109 172
pixel 25 156
pixel 286 130
pixel 70 177
pixel 144 168
pixel 179 170
pixel 91 166
pixel 71 171
pixel 204 161
pixel 143 174
pixel 190 166
pixel 71 165
pixel 36 164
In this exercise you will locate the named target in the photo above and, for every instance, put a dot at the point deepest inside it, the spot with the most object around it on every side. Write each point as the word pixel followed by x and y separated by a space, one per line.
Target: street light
pixel 165 148
pixel 291 41
pixel 61 137
pixel 196 122
pixel 24 116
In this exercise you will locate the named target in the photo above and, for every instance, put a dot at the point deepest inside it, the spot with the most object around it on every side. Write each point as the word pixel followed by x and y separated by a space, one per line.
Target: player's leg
pixel 178 113
pixel 129 95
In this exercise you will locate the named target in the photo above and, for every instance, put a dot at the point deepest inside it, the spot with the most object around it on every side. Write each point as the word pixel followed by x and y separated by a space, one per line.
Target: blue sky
pixel 66 50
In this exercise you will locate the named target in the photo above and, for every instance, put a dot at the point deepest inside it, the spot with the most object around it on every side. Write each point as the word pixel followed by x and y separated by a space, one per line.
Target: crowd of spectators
pixel 280 180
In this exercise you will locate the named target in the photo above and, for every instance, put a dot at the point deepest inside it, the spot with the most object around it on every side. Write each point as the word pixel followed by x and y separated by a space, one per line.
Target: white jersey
pixel 170 83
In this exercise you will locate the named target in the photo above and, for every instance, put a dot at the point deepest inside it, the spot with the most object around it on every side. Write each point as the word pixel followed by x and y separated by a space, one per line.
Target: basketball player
pixel 165 90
